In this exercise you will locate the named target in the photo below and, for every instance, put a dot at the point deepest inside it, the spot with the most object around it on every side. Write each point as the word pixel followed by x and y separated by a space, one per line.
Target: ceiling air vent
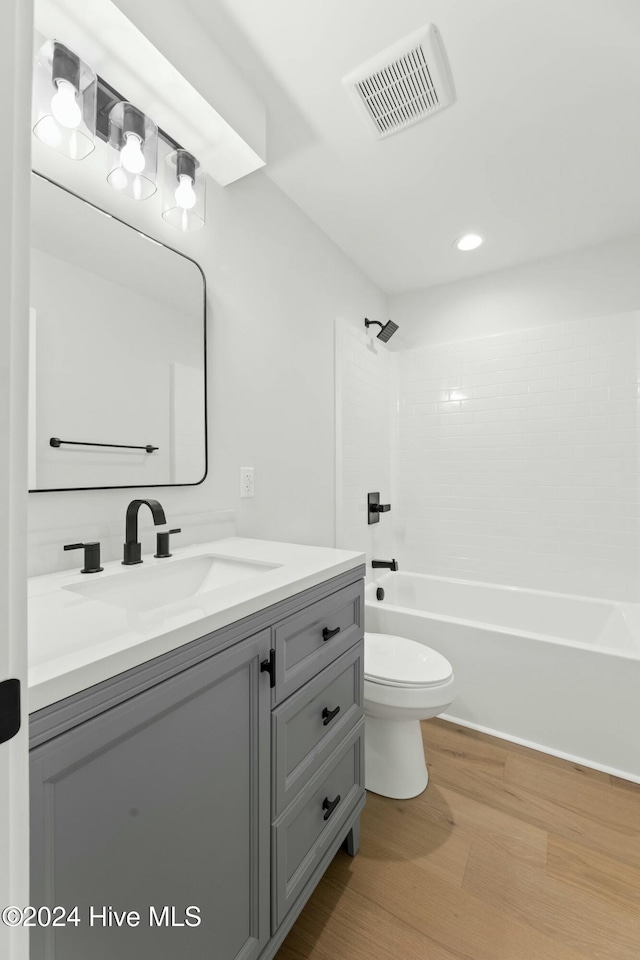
pixel 405 83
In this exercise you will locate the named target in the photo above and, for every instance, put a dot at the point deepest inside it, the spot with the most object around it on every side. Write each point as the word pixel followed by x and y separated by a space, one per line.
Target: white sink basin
pixel 143 589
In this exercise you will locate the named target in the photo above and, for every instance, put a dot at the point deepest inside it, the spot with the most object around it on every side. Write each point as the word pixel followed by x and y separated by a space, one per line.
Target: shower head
pixel 387 330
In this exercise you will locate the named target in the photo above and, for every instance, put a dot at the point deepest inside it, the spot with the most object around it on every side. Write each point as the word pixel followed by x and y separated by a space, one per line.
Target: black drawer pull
pixel 328 715
pixel 269 666
pixel 329 806
pixel 327 634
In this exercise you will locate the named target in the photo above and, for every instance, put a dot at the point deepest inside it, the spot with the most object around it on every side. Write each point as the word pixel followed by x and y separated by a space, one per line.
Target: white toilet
pixel 404 683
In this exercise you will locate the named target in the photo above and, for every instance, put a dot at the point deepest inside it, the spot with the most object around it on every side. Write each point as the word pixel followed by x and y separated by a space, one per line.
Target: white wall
pixel 595 282
pixel 275 286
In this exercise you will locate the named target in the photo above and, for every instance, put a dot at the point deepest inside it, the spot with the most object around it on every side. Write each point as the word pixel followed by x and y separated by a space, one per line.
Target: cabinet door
pixel 162 801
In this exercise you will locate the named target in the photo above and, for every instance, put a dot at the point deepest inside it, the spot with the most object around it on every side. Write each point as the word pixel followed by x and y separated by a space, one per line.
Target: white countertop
pixel 76 642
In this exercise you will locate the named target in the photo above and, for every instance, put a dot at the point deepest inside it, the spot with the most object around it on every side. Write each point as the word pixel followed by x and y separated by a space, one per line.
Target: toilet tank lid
pixel 390 659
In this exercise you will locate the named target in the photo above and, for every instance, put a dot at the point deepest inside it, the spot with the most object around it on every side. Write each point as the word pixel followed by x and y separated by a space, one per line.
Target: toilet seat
pixel 393 661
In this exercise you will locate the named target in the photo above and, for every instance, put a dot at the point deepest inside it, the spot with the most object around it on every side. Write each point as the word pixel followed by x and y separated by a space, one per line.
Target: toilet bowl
pixel 404 683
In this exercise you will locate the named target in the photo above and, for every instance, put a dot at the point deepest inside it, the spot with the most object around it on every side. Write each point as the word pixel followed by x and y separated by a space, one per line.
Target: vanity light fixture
pixel 71 106
pixel 64 101
pixel 469 241
pixel 183 189
pixel 133 151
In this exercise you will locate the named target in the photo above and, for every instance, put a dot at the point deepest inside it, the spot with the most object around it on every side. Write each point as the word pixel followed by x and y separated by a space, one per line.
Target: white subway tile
pixel 543 386
pixel 592 393
pixel 513 362
pixel 571 354
pixel 579 381
pixel 628 391
pixel 594 365
pixel 558 342
pixel 514 459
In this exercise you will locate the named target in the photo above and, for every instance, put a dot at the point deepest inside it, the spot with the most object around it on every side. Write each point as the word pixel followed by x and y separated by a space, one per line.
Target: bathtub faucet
pixel 389 564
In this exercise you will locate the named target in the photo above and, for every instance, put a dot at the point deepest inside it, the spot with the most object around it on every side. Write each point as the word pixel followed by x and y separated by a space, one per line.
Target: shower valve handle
pixel 375 508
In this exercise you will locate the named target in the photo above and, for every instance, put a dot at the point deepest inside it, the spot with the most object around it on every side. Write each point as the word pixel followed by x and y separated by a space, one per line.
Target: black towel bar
pixel 56 442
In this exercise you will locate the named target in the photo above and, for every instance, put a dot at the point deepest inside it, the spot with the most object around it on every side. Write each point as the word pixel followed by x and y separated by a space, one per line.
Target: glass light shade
pixel 133 152
pixel 64 101
pixel 183 191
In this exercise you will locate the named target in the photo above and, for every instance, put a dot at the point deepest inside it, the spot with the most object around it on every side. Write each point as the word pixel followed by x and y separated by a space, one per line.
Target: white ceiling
pixel 540 152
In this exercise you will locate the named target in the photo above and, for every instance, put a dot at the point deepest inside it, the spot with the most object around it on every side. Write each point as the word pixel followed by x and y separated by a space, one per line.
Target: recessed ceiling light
pixel 470 241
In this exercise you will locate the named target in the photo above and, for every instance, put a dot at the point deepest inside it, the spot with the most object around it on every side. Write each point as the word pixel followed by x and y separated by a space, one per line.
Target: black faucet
pixel 133 549
pixel 389 564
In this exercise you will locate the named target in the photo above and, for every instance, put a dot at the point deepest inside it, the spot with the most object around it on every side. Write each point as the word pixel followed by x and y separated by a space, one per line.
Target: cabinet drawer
pixel 302 834
pixel 308 641
pixel 309 725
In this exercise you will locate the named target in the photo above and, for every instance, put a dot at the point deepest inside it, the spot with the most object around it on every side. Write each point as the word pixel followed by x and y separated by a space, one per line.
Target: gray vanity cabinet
pixel 162 801
pixel 223 775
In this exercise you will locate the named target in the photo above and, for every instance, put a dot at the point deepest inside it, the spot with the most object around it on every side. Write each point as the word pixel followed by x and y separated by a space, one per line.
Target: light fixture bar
pixel 108 97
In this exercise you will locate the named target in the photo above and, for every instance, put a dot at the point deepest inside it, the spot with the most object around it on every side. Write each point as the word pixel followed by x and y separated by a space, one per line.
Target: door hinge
pixel 269 666
pixel 9 709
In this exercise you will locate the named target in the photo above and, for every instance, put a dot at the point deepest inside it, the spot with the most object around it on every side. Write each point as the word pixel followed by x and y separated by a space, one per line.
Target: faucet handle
pixel 162 543
pixel 91 555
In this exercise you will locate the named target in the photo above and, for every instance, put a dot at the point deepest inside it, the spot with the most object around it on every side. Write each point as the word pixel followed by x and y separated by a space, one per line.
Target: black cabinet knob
pixel 327 634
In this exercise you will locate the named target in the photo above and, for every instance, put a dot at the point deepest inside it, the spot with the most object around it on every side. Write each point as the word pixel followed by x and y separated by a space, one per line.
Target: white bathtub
pixel 554 672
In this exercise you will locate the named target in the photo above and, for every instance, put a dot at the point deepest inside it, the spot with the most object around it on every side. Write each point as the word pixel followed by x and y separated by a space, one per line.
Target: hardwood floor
pixel 508 855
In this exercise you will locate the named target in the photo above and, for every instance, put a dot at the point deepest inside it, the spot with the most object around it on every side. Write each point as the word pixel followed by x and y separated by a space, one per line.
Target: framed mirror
pixel 117 360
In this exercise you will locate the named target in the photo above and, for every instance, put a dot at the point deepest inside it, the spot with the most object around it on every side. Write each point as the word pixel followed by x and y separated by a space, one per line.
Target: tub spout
pixel 388 564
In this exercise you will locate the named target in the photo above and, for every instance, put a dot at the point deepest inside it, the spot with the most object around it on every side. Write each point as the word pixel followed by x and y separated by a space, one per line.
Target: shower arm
pixel 387 329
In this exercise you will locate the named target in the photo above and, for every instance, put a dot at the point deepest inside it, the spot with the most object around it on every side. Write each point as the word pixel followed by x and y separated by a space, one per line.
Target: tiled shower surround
pixel 516 458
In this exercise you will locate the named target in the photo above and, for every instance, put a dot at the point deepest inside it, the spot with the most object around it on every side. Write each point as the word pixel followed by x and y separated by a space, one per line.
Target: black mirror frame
pixel 138 486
